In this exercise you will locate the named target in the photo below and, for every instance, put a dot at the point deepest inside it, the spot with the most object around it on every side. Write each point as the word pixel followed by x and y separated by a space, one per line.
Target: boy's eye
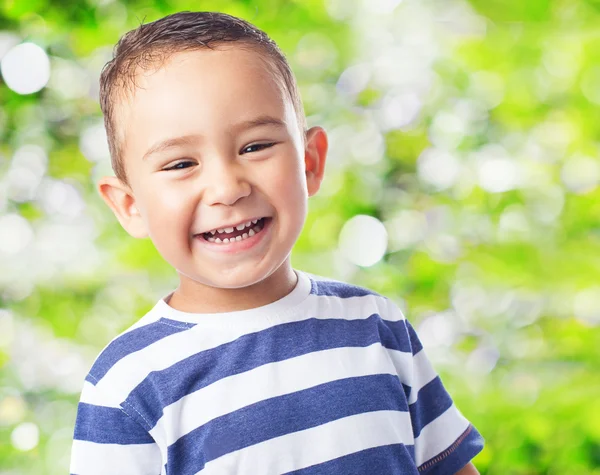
pixel 257 147
pixel 180 165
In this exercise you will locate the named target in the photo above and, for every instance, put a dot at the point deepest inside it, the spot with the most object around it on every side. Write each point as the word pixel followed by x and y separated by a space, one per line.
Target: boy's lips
pixel 251 238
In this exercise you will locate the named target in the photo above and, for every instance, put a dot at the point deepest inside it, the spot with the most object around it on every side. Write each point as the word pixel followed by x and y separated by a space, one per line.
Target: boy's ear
pixel 315 154
pixel 120 199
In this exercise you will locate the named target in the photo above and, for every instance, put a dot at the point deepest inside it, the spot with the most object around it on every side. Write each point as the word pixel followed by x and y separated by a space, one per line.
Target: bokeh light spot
pixel 57 197
pixel 363 240
pixel 513 225
pixel 438 168
pixel 354 79
pixel 6 332
pixel 483 360
pixel 69 79
pixel 339 9
pixel 15 233
pixel 27 168
pixel 381 6
pixel 94 143
pixel 406 229
pixel 12 410
pixel 25 436
pixel 581 174
pixel 367 145
pixel 447 130
pixel 498 174
pixel 25 68
pixel 586 305
pixel 399 110
pixel 439 330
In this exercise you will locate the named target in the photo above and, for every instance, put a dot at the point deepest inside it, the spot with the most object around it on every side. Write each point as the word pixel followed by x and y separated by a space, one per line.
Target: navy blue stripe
pixel 415 343
pixel 455 457
pixel 338 289
pixel 432 401
pixel 108 425
pixel 131 342
pixel 395 336
pixel 407 390
pixel 395 459
pixel 282 415
pixel 252 350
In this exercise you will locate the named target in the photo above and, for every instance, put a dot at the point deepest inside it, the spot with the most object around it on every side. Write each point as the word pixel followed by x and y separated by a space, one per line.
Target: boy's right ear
pixel 120 199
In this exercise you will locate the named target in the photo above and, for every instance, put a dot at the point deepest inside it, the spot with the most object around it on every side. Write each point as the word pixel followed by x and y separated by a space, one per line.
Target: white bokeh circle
pixel 25 68
pixel 363 240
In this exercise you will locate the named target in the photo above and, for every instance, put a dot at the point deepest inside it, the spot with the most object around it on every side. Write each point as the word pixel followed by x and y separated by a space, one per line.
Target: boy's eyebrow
pixel 190 139
pixel 170 143
pixel 258 122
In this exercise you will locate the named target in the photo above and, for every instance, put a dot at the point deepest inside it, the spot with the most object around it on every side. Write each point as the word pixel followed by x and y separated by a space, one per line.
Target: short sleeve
pixel 107 440
pixel 445 441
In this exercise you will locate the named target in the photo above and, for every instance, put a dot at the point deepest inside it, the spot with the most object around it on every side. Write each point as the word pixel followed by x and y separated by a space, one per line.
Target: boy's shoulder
pixel 148 329
pixel 353 297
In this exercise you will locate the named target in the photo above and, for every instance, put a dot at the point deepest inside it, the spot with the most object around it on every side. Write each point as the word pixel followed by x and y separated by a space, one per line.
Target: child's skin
pixel 246 158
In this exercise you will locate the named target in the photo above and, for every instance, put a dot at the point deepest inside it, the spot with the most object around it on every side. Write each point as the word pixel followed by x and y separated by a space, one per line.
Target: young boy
pixel 249 366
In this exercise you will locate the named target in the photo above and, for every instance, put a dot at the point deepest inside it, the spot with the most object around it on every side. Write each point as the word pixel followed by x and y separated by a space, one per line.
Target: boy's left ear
pixel 315 154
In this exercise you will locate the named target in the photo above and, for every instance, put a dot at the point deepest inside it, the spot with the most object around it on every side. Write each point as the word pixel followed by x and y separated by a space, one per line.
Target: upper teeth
pixel 239 227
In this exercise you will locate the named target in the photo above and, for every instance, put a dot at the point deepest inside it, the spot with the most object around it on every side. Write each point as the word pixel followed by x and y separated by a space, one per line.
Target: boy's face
pixel 242 159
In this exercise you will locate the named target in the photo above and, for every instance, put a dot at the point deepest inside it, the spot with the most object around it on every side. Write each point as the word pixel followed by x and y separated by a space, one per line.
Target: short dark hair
pixel 150 46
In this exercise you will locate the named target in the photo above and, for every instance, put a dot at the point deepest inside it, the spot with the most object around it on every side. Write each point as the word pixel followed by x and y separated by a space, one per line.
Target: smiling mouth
pixel 239 233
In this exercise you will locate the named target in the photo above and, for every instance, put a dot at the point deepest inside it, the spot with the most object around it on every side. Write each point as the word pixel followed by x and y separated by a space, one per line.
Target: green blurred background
pixel 463 182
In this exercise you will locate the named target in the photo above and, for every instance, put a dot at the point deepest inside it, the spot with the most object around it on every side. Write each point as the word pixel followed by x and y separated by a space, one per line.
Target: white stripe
pixel 267 381
pixel 351 308
pixel 439 434
pixel 91 395
pixel 423 373
pixel 147 319
pixel 416 373
pixel 89 458
pixel 316 445
pixel 124 376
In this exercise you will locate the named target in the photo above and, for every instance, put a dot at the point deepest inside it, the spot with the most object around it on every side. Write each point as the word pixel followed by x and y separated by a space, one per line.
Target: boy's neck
pixel 194 297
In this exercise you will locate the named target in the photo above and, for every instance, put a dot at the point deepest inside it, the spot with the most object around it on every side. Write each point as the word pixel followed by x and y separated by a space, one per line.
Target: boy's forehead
pixel 219 67
pixel 223 83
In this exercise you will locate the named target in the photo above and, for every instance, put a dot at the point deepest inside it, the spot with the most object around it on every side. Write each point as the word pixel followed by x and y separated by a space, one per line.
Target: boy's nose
pixel 225 184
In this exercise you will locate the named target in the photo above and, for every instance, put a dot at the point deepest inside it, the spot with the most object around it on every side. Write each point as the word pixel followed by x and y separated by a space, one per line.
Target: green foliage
pixel 500 277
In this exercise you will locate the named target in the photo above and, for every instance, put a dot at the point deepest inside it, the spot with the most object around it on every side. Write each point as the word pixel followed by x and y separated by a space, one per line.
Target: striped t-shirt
pixel 330 379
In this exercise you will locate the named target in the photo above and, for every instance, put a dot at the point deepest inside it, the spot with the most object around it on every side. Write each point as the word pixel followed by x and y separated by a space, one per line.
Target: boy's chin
pixel 233 291
pixel 242 277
